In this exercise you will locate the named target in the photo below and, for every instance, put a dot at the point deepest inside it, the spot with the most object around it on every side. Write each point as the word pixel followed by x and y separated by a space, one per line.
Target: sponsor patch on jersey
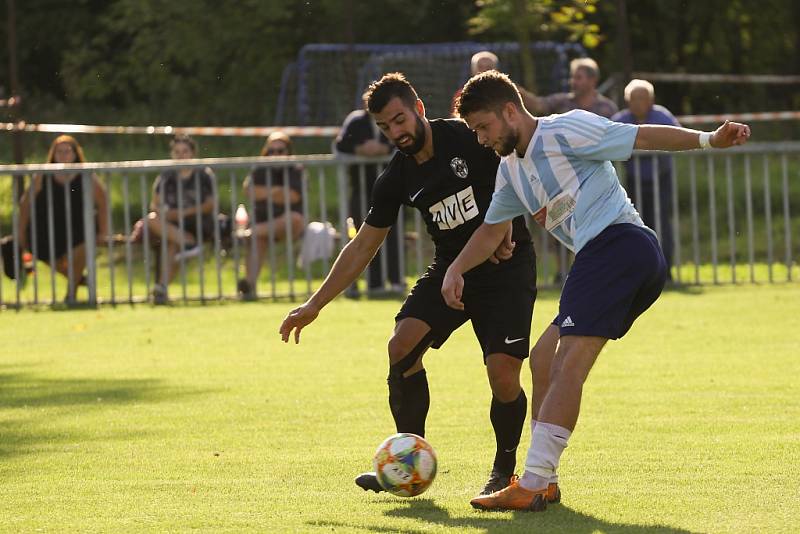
pixel 455 210
pixel 459 167
pixel 555 212
pixel 559 209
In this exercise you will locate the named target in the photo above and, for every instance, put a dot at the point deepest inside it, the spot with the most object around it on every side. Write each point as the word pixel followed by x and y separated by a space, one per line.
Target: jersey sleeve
pixel 386 201
pixel 505 204
pixel 596 138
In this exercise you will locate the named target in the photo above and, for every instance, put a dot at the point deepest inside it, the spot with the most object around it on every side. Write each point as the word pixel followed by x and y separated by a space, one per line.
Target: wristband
pixel 705 140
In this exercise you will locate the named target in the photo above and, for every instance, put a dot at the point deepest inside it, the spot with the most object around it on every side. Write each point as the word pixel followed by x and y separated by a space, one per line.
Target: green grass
pixel 198 418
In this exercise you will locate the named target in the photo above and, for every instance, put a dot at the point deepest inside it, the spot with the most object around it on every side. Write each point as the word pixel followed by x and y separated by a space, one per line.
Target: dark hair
pixel 487 91
pixel 183 138
pixel 389 86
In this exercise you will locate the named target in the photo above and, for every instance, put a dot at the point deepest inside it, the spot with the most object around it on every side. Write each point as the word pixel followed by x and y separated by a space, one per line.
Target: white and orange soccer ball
pixel 405 464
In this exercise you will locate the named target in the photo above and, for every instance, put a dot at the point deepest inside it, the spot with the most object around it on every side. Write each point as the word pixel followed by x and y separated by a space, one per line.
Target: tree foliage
pixel 204 61
pixel 564 20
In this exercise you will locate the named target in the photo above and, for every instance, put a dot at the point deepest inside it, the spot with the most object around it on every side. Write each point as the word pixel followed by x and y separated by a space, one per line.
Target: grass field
pixel 198 418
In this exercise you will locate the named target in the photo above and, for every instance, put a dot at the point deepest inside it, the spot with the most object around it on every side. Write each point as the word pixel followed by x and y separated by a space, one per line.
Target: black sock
pixel 409 400
pixel 507 421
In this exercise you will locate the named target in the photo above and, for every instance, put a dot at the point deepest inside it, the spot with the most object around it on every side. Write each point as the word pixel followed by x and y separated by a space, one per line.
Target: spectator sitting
pixel 65 188
pixel 584 75
pixel 360 136
pixel 642 109
pixel 265 188
pixel 176 193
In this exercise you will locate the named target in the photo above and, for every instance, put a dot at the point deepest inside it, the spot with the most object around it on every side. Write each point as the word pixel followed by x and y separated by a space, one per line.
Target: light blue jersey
pixel 566 179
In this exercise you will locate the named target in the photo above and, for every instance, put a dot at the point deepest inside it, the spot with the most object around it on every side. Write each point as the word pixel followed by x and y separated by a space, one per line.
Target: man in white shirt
pixel 558 169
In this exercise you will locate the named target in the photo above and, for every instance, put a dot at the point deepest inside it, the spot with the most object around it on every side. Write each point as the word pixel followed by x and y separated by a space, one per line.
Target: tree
pixel 565 20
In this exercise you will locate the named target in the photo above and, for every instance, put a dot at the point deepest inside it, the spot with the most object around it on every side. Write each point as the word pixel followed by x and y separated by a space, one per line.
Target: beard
pixel 507 142
pixel 417 139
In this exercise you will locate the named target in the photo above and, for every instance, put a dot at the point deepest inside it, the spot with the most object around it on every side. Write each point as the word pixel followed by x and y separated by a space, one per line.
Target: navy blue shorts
pixel 615 277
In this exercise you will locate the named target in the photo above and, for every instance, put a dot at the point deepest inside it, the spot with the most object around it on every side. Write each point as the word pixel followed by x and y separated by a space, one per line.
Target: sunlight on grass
pixel 182 418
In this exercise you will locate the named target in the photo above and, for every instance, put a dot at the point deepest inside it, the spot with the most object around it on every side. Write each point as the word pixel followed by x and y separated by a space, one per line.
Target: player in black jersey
pixel 444 172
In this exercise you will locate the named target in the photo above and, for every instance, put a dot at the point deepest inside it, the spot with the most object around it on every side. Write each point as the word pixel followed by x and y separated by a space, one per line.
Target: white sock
pixel 553 478
pixel 548 441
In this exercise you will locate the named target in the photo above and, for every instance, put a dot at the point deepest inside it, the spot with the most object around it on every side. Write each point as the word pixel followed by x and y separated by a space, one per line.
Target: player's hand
pixel 297 319
pixel 505 249
pixel 730 134
pixel 452 289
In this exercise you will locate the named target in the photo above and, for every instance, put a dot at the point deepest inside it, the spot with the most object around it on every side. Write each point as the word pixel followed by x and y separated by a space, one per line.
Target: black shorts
pixel 615 277
pixel 500 307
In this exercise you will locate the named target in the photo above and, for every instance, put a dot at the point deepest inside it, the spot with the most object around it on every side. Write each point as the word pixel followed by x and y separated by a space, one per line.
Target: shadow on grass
pixel 35 404
pixel 557 518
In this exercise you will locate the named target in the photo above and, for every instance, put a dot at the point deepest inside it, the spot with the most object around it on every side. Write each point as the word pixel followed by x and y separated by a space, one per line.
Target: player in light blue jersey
pixel 558 169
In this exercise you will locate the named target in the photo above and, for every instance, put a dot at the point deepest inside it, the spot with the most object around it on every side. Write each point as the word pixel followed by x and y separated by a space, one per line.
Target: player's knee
pixel 398 348
pixel 505 388
pixel 405 356
pixel 539 362
pixel 504 382
pixel 567 371
pixel 401 347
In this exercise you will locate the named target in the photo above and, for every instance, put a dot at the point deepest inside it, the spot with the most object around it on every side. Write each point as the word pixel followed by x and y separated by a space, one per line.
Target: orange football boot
pixel 513 497
pixel 553 493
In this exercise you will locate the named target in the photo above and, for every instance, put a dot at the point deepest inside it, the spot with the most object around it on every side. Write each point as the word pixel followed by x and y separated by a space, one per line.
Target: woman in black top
pixel 52 194
pixel 266 190
pixel 184 193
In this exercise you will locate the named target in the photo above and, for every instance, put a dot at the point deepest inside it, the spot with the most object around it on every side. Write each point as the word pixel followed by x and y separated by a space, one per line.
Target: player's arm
pixel 372 147
pixel 505 249
pixel 672 138
pixel 481 245
pixel 533 102
pixel 350 263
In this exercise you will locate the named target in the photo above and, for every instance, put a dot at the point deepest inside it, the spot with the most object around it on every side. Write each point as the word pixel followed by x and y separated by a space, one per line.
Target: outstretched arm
pixel 351 262
pixel 533 102
pixel 673 138
pixel 481 245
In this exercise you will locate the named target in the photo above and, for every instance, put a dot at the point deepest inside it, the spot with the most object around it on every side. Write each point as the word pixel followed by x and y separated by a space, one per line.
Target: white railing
pixel 746 232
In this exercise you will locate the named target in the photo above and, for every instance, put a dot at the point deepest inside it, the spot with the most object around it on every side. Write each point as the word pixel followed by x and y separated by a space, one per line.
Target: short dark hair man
pixel 441 170
pixel 558 169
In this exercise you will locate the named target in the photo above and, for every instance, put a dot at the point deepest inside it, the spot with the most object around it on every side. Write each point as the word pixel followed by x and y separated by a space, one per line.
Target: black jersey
pixel 452 191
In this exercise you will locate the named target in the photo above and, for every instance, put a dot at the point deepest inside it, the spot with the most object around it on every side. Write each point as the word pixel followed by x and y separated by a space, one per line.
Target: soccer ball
pixel 405 464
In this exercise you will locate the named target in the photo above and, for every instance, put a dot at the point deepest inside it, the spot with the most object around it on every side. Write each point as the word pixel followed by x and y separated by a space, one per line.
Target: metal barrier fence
pixel 748 232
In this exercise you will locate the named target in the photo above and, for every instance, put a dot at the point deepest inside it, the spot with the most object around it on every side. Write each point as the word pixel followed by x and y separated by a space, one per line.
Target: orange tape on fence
pixel 741 117
pixel 320 131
